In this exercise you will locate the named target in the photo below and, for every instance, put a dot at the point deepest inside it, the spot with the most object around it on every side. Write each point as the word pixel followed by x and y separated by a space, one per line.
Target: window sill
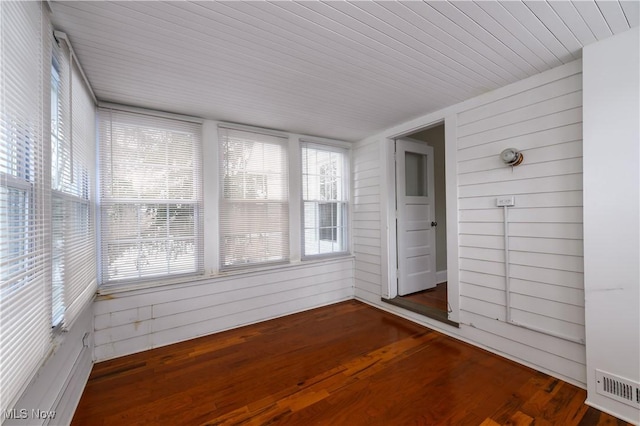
pixel 104 291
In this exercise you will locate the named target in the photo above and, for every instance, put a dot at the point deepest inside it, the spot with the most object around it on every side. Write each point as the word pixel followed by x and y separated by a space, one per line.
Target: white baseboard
pixel 632 420
pixel 441 276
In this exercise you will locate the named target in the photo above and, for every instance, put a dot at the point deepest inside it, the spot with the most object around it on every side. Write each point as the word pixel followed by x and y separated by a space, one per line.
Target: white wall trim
pixel 210 195
pixel 607 410
pixel 151 112
pixel 59 383
pixel 68 400
pixel 453 244
pixel 253 129
pixel 389 216
pixel 389 289
pixel 295 199
pixel 325 142
pixel 441 277
pixel 146 287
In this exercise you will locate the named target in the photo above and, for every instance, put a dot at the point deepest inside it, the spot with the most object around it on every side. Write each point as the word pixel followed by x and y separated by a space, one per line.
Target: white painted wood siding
pixel 366 225
pixel 612 208
pixel 545 225
pixel 138 320
pixel 542 116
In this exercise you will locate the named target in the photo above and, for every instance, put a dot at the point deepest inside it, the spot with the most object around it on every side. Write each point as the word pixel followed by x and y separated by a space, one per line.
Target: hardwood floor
pixel 431 303
pixel 434 298
pixel 344 364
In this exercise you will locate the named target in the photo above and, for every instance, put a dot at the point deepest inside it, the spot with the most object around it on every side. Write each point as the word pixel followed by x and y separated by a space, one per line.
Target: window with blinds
pixel 73 155
pixel 151 196
pixel 25 327
pixel 254 207
pixel 324 200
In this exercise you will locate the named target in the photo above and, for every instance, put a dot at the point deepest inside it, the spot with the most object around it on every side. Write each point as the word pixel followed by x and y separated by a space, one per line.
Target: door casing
pixel 389 288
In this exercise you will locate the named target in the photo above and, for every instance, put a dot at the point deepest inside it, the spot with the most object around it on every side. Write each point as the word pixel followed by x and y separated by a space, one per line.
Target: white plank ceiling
pixel 342 70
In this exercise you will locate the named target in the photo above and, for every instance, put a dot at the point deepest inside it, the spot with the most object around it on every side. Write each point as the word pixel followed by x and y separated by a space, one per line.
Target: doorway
pixel 421 223
pixel 415 217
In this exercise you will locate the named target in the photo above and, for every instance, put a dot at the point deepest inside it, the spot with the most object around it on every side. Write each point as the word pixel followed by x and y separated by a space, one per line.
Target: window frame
pixel 25 294
pixel 343 149
pixel 72 160
pixel 211 190
pixel 331 228
pixel 57 277
pixel 129 117
pixel 222 201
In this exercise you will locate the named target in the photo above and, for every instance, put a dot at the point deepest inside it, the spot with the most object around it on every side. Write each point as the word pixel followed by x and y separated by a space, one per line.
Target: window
pixel 324 199
pixel 73 154
pixel 25 327
pixel 254 208
pixel 328 213
pixel 151 197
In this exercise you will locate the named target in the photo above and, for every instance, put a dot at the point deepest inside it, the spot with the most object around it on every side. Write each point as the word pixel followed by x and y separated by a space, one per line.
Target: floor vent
pixel 617 388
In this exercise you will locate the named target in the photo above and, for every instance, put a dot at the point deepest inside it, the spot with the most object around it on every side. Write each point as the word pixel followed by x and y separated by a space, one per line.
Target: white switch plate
pixel 506 200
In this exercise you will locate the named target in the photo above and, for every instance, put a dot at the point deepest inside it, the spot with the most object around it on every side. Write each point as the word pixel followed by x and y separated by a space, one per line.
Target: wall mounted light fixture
pixel 511 157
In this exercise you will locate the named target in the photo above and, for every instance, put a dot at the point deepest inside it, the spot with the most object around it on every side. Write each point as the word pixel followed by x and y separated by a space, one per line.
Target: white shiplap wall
pixel 366 221
pixel 546 265
pixel 541 116
pixel 137 320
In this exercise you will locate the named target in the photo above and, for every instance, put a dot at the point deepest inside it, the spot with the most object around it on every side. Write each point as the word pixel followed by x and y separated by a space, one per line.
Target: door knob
pixel 434 223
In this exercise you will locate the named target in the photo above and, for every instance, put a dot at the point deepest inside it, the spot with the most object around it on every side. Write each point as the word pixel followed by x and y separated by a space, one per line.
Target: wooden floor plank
pixel 435 297
pixel 344 364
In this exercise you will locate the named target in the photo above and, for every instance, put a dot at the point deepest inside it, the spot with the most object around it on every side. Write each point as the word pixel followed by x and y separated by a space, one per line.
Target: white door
pixel 415 217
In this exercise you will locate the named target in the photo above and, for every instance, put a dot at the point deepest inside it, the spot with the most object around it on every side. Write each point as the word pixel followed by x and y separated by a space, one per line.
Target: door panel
pixel 415 238
pixel 415 212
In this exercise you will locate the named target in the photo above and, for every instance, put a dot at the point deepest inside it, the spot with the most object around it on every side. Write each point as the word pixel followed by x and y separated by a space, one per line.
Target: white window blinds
pixel 73 156
pixel 254 208
pixel 324 199
pixel 25 326
pixel 151 196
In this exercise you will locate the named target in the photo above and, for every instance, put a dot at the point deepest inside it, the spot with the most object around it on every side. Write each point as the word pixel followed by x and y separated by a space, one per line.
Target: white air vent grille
pixel 617 388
